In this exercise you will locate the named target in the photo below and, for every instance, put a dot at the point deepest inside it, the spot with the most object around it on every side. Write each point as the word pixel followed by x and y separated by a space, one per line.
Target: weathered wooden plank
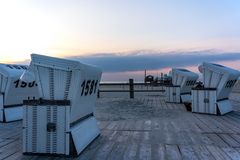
pixel 212 125
pixel 232 121
pixel 218 153
pixel 6 142
pixel 236 137
pixel 103 124
pixel 192 124
pixel 194 137
pixel 172 152
pixel 111 125
pixel 184 139
pixel 136 136
pixel 112 135
pixel 202 152
pixel 229 140
pixel 205 139
pixel 202 126
pixel 144 152
pixel 12 134
pixel 10 149
pixel 168 137
pixel 129 125
pixel 50 158
pixel 130 152
pixel 156 125
pixel 158 152
pixel 138 124
pixel 176 126
pixel 227 123
pixel 219 124
pixel 231 152
pixel 233 118
pixel 123 136
pixel 104 151
pixel 217 140
pixel 19 156
pixel 90 151
pixel 146 137
pixel 187 152
pixel 117 151
pixel 147 125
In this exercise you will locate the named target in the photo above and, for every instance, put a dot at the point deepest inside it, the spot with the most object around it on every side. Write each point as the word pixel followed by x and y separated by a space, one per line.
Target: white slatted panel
pixel 212 102
pixel 35 139
pixel 80 137
pixel 204 101
pixel 4 84
pixel 207 78
pixel 1 107
pixel 172 94
pixel 180 80
pixel 44 82
pixel 215 80
pixel 60 82
pixel 41 140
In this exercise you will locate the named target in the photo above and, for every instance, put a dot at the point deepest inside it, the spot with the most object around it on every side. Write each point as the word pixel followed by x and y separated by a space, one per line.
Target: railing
pixel 130 88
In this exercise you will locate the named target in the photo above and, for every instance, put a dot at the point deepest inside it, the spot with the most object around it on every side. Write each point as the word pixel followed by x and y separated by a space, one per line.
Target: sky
pixel 122 37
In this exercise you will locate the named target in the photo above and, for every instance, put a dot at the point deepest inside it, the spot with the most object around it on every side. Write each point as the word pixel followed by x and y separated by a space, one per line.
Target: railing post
pixel 131 88
pixel 98 94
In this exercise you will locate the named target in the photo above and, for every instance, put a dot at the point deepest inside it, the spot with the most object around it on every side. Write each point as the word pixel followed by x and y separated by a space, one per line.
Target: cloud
pixel 138 61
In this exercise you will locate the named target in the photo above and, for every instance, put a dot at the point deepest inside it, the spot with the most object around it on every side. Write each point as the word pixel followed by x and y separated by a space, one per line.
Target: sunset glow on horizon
pixel 70 28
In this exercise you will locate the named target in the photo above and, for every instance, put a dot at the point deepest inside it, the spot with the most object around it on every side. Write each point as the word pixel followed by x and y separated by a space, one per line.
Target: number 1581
pixel 89 87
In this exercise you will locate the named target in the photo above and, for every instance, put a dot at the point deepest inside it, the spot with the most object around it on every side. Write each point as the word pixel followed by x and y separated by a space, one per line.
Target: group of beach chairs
pixel 56 98
pixel 209 96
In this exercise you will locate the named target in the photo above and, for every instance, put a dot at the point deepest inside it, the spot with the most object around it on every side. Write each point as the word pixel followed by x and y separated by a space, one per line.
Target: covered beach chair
pixel 182 82
pixel 62 120
pixel 13 91
pixel 218 82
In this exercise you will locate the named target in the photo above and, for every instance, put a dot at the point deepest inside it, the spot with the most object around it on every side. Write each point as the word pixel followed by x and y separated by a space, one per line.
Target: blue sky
pixel 73 28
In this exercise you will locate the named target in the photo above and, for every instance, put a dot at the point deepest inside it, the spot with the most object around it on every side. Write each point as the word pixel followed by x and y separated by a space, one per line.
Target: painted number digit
pixel 91 88
pixel 87 87
pixel 95 86
pixel 23 84
pixel 16 83
pixel 83 87
pixel 31 84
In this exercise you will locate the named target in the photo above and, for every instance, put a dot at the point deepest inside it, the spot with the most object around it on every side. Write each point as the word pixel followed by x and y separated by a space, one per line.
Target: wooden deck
pixel 148 128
